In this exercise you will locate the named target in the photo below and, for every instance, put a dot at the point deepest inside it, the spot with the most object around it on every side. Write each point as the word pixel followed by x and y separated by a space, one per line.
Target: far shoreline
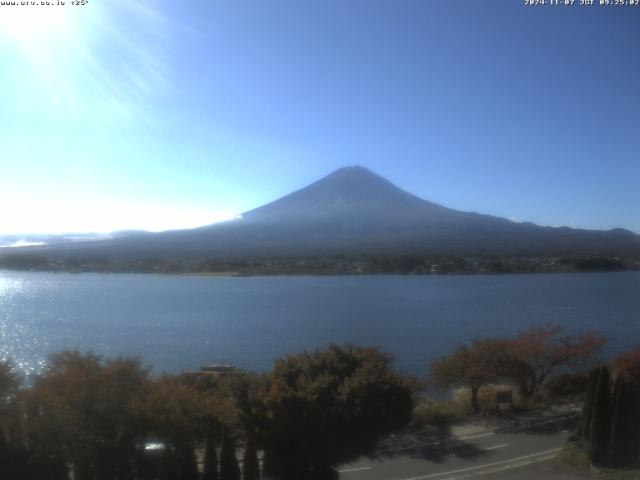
pixel 325 265
pixel 236 274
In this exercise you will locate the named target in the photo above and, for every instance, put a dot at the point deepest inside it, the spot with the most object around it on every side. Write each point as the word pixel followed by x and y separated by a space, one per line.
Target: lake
pixel 181 322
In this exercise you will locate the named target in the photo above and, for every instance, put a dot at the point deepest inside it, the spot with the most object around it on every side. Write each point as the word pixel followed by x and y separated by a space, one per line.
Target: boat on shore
pixel 214 369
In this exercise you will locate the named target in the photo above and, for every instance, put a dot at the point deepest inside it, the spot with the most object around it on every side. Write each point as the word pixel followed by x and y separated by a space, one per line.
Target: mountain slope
pixel 356 212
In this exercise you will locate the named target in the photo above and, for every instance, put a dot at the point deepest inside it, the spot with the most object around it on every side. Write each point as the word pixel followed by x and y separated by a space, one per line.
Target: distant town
pixel 327 265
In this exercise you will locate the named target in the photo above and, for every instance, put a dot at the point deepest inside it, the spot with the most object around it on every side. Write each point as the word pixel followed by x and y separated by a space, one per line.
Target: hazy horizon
pixel 139 114
pixel 103 233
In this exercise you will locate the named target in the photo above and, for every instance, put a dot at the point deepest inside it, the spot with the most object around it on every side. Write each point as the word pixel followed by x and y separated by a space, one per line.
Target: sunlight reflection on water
pixel 19 341
pixel 181 322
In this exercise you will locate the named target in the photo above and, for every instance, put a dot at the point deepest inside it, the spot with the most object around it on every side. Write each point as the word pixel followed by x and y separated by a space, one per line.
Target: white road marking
pixel 346 470
pixel 511 460
pixel 516 465
pixel 497 446
pixel 503 468
pixel 555 420
pixel 471 437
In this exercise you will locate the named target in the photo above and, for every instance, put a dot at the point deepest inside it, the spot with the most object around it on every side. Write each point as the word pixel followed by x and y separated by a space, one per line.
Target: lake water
pixel 180 322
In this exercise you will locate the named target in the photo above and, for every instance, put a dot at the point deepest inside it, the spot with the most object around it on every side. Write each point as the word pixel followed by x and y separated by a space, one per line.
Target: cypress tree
pixel 250 467
pixel 51 469
pixel 15 462
pixel 82 468
pixel 632 456
pixel 168 465
pixel 627 450
pixel 269 463
pixel 187 463
pixel 585 420
pixel 618 422
pixel 599 428
pixel 229 468
pixel 146 464
pixel 210 470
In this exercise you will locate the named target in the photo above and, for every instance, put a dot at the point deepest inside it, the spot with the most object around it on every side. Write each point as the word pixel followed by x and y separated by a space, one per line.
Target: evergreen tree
pixel 250 467
pixel 632 402
pixel 599 428
pixel 210 470
pixel 14 460
pixel 168 465
pixel 618 422
pixel 229 468
pixel 187 463
pixel 625 426
pixel 585 421
pixel 270 464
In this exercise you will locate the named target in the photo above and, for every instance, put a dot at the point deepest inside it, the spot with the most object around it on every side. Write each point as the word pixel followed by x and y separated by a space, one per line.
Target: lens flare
pixel 96 63
pixel 26 24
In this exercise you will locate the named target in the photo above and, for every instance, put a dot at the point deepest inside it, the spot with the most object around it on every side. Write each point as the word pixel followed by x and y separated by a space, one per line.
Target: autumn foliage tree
pixel 93 408
pixel 174 409
pixel 472 366
pixel 542 349
pixel 13 460
pixel 247 394
pixel 628 365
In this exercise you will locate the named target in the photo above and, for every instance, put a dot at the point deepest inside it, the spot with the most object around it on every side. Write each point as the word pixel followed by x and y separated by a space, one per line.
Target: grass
pixel 573 457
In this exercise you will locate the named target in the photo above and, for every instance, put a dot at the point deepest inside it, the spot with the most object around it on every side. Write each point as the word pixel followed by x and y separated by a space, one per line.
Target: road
pixel 521 453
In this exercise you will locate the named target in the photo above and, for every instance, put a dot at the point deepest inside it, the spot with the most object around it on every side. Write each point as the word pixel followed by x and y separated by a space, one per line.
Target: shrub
pixel 439 413
pixel 566 385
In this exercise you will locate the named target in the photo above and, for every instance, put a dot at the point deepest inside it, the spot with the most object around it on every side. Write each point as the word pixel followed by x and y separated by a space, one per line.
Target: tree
pixel 327 407
pixel 247 393
pixel 250 466
pixel 9 382
pixel 229 468
pixel 618 432
pixel 628 365
pixel 610 424
pixel 175 412
pixel 587 409
pixel 14 459
pixel 599 428
pixel 625 423
pixel 210 467
pixel 541 349
pixel 471 366
pixel 93 408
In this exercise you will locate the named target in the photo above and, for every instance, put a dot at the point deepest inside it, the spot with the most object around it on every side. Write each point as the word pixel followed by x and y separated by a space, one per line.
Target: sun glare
pixel 26 24
pixel 85 64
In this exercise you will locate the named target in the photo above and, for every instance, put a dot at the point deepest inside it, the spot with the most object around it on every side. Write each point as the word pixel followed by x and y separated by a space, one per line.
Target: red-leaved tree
pixel 536 352
pixel 628 364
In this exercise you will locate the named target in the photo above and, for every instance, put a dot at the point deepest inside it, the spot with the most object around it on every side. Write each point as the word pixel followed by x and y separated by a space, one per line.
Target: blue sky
pixel 157 115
